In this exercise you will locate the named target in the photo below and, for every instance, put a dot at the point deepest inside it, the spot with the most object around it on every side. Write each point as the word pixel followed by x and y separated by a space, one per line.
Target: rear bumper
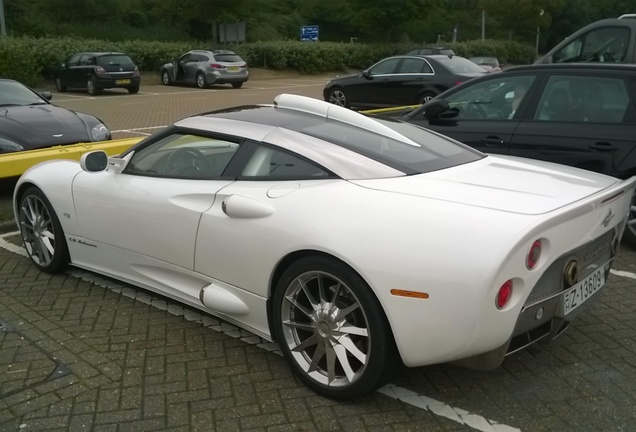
pixel 106 82
pixel 217 78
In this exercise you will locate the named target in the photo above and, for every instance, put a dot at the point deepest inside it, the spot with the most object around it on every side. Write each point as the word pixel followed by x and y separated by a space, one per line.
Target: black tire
pixel 297 324
pixel 59 85
pixel 337 96
pixel 41 232
pixel 426 96
pixel 165 78
pixel 629 236
pixel 200 80
pixel 237 84
pixel 92 87
pixel 133 90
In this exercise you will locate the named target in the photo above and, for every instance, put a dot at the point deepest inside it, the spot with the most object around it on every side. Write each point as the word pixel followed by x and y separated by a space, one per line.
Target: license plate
pixel 122 82
pixel 579 293
pixel 233 69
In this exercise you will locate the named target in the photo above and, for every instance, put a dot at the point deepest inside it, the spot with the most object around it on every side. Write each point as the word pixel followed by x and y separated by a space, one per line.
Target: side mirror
pixel 94 161
pixel 46 95
pixel 366 74
pixel 434 108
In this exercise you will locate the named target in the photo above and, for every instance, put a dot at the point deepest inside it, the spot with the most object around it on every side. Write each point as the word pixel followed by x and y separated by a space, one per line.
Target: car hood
pixel 503 183
pixel 41 126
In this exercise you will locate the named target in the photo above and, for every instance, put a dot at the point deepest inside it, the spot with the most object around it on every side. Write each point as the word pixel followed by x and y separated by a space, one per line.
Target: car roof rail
pixel 330 111
pixel 632 15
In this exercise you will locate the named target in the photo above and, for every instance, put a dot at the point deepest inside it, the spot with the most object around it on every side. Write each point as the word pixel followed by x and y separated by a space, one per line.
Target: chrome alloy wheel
pixel 38 231
pixel 337 97
pixel 325 329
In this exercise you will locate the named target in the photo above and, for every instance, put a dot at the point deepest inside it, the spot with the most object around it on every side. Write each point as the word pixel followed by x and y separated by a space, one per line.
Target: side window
pixel 412 66
pixel 495 99
pixel 183 156
pixel 267 163
pixel 385 67
pixel 607 44
pixel 584 99
pixel 73 61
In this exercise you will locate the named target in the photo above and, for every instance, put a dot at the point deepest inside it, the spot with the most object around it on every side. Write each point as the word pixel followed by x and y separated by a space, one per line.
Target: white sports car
pixel 355 243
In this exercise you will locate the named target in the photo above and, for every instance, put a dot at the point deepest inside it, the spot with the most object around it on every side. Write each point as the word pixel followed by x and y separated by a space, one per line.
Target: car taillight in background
pixel 216 66
pixel 100 71
pixel 458 82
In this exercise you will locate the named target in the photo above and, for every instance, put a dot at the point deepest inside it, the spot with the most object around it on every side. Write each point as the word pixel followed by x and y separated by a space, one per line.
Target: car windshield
pixel 486 61
pixel 114 60
pixel 228 58
pixel 416 151
pixel 459 65
pixel 12 93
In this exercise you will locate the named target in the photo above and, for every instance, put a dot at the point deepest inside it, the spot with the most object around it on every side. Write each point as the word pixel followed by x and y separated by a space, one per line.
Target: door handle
pixel 603 146
pixel 492 141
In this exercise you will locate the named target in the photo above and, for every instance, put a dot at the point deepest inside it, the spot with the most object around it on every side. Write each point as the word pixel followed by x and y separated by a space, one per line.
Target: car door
pixel 582 120
pixel 145 219
pixel 181 67
pixel 373 87
pixel 486 113
pixel 412 77
pixel 192 67
pixel 69 71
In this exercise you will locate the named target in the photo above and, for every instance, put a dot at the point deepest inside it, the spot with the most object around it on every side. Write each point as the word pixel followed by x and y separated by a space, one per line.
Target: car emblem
pixel 58 135
pixel 121 69
pixel 608 218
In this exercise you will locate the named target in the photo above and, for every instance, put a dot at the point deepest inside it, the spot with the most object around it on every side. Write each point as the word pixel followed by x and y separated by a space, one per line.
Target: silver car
pixel 204 68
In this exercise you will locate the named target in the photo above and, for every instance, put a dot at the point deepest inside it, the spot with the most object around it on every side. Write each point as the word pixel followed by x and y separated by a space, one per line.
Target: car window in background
pixel 73 61
pixel 584 99
pixel 114 60
pixel 414 65
pixel 607 44
pixel 459 65
pixel 494 99
pixel 384 67
pixel 487 61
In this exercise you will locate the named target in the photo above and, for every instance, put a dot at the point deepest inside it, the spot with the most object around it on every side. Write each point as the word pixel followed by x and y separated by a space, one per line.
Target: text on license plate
pixel 579 293
pixel 233 69
pixel 127 81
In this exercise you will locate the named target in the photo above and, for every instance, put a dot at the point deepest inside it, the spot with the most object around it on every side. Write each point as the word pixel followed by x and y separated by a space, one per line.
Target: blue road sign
pixel 309 33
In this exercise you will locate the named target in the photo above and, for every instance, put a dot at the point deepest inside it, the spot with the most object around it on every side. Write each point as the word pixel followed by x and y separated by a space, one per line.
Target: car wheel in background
pixel 165 78
pixel 42 233
pixel 237 85
pixel 338 97
pixel 133 90
pixel 332 329
pixel 91 87
pixel 201 81
pixel 629 236
pixel 59 85
pixel 426 96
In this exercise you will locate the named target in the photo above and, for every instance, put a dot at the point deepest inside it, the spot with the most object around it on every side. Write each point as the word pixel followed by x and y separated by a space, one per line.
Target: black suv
pixel 95 71
pixel 581 115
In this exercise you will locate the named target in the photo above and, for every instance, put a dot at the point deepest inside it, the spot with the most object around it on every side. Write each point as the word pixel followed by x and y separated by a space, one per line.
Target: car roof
pixel 573 67
pixel 100 53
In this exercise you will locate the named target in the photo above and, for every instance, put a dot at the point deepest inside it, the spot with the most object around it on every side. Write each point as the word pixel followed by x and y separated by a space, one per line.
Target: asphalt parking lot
pixel 80 352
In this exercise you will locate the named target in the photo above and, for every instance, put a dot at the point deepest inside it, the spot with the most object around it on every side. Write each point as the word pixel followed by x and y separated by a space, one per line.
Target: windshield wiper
pixel 8 105
pixel 37 103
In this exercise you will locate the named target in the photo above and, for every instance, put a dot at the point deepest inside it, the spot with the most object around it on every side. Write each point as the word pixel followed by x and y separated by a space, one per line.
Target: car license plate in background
pixel 233 69
pixel 579 293
pixel 122 82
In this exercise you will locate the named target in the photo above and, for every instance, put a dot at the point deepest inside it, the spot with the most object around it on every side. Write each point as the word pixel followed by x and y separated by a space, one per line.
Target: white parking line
pixel 458 415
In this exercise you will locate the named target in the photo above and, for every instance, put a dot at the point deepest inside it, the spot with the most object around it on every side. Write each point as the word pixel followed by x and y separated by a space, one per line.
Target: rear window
pixel 114 60
pixel 459 65
pixel 228 58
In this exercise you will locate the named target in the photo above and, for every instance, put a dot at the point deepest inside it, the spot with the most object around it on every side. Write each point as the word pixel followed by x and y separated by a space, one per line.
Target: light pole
pixel 3 27
pixel 536 51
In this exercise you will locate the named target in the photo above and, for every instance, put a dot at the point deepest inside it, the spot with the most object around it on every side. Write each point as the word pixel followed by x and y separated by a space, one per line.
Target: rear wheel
pixel 42 233
pixel 201 81
pixel 426 96
pixel 165 78
pixel 59 85
pixel 91 87
pixel 332 329
pixel 338 97
pixel 237 84
pixel 133 90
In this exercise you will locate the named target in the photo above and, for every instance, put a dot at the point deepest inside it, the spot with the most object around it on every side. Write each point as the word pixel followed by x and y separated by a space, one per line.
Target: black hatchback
pixel 581 115
pixel 96 71
pixel 401 80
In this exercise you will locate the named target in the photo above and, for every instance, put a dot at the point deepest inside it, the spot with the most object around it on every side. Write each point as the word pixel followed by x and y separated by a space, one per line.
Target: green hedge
pixel 32 59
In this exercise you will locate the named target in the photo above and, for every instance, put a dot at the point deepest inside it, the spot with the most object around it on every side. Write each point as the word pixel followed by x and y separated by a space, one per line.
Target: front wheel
pixel 332 329
pixel 42 233
pixel 338 97
pixel 133 90
pixel 165 78
pixel 201 81
pixel 426 96
pixel 91 87
pixel 629 237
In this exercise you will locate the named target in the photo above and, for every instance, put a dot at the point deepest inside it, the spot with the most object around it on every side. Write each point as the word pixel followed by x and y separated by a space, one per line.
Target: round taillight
pixel 504 294
pixel 534 254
